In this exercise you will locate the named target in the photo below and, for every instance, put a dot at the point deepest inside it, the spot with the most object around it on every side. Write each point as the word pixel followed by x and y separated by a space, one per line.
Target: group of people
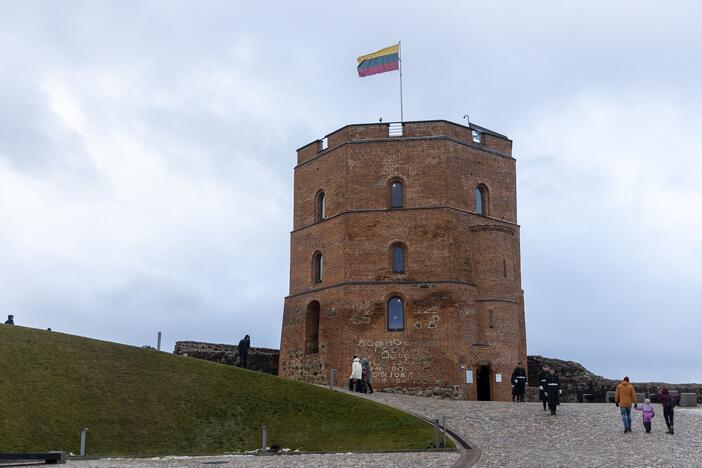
pixel 360 379
pixel 549 389
pixel 625 398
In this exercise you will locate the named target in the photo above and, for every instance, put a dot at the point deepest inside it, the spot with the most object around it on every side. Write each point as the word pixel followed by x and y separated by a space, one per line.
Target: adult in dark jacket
pixel 542 386
pixel 553 390
pixel 668 401
pixel 518 382
pixel 244 346
pixel 10 320
pixel 366 375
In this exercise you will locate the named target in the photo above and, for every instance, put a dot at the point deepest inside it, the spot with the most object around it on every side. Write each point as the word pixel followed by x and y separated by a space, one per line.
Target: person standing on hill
pixel 542 385
pixel 518 382
pixel 553 390
pixel 244 346
pixel 10 320
pixel 624 397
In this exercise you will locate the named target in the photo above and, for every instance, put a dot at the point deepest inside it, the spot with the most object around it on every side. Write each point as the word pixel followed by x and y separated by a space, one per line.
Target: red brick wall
pixel 459 265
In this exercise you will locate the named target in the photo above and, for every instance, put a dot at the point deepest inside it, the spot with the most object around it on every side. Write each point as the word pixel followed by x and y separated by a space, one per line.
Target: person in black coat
pixel 10 320
pixel 518 382
pixel 553 390
pixel 244 346
pixel 542 386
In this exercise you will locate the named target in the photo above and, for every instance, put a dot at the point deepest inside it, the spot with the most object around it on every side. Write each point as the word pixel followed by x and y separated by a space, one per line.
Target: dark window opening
pixel 317 266
pixel 398 258
pixel 491 319
pixel 396 194
pixel 481 200
pixel 504 268
pixel 321 205
pixel 396 313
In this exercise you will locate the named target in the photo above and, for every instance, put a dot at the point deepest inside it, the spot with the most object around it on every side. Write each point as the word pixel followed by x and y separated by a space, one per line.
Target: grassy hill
pixel 143 402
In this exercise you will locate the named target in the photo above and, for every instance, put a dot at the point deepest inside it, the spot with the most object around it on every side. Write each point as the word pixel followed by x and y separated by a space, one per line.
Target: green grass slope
pixel 144 402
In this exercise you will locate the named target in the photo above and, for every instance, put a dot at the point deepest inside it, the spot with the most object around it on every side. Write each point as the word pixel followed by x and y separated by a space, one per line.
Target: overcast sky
pixel 147 153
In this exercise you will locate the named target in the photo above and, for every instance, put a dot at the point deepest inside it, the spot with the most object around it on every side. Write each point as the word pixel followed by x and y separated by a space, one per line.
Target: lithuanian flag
pixel 384 60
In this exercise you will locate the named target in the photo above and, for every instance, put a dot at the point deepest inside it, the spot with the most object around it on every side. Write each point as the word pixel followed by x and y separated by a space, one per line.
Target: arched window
pixel 398 258
pixel 312 328
pixel 481 200
pixel 396 313
pixel 396 195
pixel 320 207
pixel 317 267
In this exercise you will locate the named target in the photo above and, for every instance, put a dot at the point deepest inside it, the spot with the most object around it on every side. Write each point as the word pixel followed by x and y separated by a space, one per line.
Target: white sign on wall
pixel 469 376
pixel 498 378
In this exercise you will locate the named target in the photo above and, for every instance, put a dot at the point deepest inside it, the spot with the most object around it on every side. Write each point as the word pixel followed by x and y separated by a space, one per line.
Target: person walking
pixel 356 374
pixel 648 414
pixel 244 346
pixel 624 397
pixel 518 382
pixel 553 390
pixel 367 375
pixel 542 385
pixel 10 320
pixel 668 401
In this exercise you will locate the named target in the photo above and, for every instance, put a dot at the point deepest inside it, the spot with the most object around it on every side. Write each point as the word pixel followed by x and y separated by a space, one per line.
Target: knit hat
pixel 626 379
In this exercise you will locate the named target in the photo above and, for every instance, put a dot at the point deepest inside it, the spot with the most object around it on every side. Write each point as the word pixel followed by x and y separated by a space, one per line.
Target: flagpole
pixel 399 56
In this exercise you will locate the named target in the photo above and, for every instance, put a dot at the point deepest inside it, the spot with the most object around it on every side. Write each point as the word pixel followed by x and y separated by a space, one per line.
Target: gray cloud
pixel 146 155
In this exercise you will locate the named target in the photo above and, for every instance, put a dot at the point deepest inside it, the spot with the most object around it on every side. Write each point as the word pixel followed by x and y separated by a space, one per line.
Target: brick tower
pixel 405 250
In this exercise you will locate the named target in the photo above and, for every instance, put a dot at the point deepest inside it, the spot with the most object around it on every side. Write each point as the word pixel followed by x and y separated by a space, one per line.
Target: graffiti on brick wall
pixel 396 361
pixel 426 317
pixel 362 313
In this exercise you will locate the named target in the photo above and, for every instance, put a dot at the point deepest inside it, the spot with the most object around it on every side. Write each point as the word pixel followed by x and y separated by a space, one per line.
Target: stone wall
pixel 576 381
pixel 260 359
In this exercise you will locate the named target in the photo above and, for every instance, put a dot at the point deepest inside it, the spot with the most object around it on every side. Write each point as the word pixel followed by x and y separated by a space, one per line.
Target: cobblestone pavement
pixel 582 434
pixel 340 460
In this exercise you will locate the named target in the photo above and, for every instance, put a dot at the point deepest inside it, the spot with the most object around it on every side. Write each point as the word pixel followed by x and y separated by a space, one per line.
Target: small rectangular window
pixel 491 319
pixel 324 143
pixel 477 137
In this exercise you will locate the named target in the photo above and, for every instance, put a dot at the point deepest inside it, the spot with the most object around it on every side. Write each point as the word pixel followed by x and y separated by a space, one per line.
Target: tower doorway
pixel 483 383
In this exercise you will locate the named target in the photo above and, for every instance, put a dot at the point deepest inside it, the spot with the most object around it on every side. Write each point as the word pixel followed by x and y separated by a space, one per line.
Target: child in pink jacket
pixel 648 414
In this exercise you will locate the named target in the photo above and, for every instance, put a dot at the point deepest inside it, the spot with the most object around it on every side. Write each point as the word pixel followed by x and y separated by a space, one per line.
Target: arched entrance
pixel 483 383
